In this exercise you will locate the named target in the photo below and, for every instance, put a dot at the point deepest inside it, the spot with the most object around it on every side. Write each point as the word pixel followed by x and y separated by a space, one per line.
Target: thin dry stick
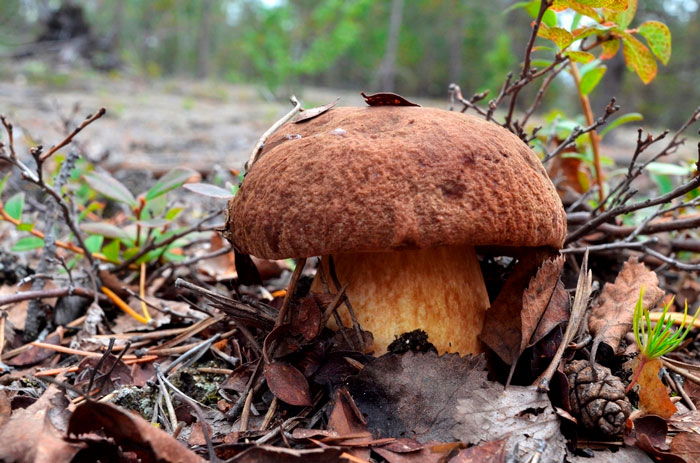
pixel 69 138
pixel 578 309
pixel 48 293
pixel 246 412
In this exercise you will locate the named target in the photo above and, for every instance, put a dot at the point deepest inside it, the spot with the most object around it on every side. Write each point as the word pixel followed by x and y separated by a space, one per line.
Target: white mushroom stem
pixel 439 290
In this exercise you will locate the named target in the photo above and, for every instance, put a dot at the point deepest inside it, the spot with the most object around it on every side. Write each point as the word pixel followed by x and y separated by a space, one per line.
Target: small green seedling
pixel 659 340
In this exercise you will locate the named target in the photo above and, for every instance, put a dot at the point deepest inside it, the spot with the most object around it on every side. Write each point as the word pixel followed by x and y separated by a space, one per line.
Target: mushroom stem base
pixel 439 290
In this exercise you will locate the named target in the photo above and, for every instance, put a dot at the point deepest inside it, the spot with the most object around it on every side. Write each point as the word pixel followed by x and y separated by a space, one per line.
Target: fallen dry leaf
pixel 653 396
pixel 557 312
pixel 537 297
pixel 34 434
pixel 488 452
pixel 611 316
pixel 346 419
pixel 503 328
pixel 621 455
pixel 424 454
pixel 34 354
pixel 400 397
pixel 687 446
pixel 269 454
pixel 130 432
pixel 288 384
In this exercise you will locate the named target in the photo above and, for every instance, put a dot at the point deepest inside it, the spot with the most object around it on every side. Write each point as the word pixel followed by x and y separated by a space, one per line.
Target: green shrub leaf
pixel 639 57
pixel 664 168
pixel 624 119
pixel 561 5
pixel 14 206
pixel 591 78
pixel 579 56
pixel 658 37
pixel 173 179
pixel 561 37
pixel 28 243
pixel 110 187
pixel 105 229
pixel 3 182
pixel 207 189
pixel 623 17
pixel 610 49
pixel 94 242
pixel 111 251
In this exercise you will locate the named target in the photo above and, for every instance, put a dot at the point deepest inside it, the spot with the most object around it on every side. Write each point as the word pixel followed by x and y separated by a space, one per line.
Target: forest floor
pixel 157 125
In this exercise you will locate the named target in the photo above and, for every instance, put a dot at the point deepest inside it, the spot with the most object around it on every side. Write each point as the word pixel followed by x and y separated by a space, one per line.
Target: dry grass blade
pixel 578 309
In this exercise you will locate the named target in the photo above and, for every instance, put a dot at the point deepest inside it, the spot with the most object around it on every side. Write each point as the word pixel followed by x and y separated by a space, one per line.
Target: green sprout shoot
pixel 659 340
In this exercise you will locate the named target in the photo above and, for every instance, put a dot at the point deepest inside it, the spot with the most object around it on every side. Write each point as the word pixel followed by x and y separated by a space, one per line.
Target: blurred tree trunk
pixel 387 71
pixel 118 18
pixel 456 44
pixel 203 40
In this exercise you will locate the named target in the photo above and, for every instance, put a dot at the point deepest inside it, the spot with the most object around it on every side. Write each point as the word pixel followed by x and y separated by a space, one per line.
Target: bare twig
pixel 89 120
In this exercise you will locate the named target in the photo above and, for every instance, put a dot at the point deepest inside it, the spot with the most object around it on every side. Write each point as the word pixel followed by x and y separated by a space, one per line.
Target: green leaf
pixel 111 251
pixel 663 183
pixel 172 257
pixel 610 49
pixel 639 57
pixel 173 179
pixel 110 187
pixel 533 9
pixel 624 119
pixel 561 5
pixel 105 229
pixel 28 243
pixel 658 37
pixel 590 79
pixel 173 213
pixel 561 37
pixel 14 206
pixel 622 18
pixel 94 242
pixel 25 227
pixel 208 189
pixel 664 168
pixel 579 56
pixel 153 223
pixel 3 182
pixel 93 206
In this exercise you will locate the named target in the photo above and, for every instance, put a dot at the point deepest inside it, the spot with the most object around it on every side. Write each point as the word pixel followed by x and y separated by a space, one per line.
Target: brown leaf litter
pixel 611 316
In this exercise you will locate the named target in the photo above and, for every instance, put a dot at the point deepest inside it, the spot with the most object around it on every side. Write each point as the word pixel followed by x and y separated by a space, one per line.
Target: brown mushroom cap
pixel 390 178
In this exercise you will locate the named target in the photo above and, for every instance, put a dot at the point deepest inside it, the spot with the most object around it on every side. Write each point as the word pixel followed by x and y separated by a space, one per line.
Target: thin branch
pixel 257 149
pixel 89 120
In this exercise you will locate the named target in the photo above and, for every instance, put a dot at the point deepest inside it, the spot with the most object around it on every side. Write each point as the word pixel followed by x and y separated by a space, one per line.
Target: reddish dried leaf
pixel 536 298
pixel 35 354
pixel 611 316
pixel 404 445
pixel 687 446
pixel 557 312
pixel 386 99
pixel 5 408
pixel 652 426
pixel 288 384
pixel 347 419
pixel 306 114
pixel 645 444
pixel 130 432
pixel 268 454
pixel 502 330
pixel 197 434
pixel 119 375
pixel 427 454
pixel 653 396
pixel 307 319
pixel 489 452
pixel 32 434
pixel 238 380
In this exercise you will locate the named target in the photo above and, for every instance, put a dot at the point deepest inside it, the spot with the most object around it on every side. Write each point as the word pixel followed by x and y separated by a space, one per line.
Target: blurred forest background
pixel 414 47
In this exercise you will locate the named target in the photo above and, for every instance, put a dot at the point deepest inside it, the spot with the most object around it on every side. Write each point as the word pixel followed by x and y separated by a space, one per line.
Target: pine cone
pixel 600 400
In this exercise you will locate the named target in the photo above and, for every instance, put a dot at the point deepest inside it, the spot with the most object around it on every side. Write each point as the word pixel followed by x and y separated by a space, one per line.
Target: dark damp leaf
pixel 386 99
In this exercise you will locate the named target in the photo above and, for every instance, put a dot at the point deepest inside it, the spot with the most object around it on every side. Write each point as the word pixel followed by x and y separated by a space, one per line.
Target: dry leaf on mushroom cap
pixel 611 317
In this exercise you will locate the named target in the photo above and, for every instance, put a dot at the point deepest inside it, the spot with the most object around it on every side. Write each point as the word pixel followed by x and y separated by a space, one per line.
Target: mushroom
pixel 400 197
